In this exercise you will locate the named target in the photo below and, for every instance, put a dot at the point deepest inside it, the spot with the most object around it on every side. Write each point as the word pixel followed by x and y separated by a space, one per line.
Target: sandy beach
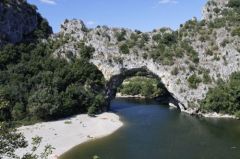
pixel 119 95
pixel 65 134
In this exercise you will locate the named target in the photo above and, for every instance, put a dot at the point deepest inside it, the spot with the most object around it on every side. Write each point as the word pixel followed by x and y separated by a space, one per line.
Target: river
pixel 153 131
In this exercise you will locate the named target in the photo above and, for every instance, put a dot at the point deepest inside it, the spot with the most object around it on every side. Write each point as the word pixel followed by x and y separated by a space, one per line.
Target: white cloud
pixel 52 2
pixel 167 2
pixel 91 22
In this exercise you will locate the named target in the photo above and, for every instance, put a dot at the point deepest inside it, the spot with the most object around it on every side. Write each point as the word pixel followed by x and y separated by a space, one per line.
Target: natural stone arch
pixel 111 60
pixel 132 63
pixel 116 80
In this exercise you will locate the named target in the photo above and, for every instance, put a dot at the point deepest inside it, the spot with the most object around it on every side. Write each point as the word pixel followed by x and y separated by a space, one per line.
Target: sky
pixel 144 15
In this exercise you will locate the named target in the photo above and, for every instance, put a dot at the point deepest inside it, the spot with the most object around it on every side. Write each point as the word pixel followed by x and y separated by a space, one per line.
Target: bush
pixel 236 32
pixel 237 114
pixel 121 35
pixel 194 81
pixel 85 51
pixel 169 38
pixel 143 86
pixel 225 97
pixel 92 111
pixel 124 48
pixel 234 3
pixel 175 71
pixel 206 78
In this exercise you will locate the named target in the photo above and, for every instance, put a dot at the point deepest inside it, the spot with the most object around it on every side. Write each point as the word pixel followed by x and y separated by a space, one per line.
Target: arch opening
pixel 116 81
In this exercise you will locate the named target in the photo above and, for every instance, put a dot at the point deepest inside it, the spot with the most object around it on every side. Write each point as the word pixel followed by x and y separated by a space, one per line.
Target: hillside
pixel 79 69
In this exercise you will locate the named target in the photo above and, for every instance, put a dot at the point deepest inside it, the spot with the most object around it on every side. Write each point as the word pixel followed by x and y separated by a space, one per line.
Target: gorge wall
pixel 20 21
pixel 188 61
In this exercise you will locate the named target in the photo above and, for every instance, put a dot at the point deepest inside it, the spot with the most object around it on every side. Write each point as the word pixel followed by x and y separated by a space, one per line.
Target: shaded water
pixel 152 131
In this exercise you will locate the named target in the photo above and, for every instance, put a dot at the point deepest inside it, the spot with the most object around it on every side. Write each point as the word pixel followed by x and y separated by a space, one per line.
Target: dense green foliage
pixel 225 97
pixel 36 86
pixel 234 3
pixel 143 86
pixel 170 47
pixel 124 48
pixel 85 51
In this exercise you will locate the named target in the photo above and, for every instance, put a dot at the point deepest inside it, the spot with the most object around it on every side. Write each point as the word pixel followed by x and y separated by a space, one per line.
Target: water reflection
pixel 154 131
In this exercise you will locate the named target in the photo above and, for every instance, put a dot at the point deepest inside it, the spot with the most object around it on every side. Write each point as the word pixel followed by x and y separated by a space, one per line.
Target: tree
pixel 10 141
pixel 225 97
pixel 4 109
pixel 234 3
pixel 98 101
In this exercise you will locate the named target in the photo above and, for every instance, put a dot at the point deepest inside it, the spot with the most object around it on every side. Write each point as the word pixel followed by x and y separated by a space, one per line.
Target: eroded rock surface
pixel 217 53
pixel 18 20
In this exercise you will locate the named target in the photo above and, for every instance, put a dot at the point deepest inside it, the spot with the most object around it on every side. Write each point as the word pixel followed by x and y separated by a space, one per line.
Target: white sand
pixel 119 95
pixel 65 134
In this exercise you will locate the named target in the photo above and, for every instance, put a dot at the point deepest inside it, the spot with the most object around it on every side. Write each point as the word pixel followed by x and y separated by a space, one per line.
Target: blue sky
pixel 144 15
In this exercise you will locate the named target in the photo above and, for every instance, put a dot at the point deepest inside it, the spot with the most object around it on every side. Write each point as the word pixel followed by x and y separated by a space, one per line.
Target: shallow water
pixel 152 131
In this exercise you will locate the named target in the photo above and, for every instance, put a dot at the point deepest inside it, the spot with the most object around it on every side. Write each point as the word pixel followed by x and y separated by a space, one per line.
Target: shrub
pixel 209 52
pixel 145 37
pixel 236 31
pixel 237 114
pixel 121 35
pixel 206 78
pixel 194 81
pixel 145 56
pixel 134 37
pixel 85 51
pixel 92 111
pixel 175 71
pixel 169 38
pixel 234 3
pixel 97 103
pixel 157 37
pixel 216 10
pixel 124 48
pixel 224 98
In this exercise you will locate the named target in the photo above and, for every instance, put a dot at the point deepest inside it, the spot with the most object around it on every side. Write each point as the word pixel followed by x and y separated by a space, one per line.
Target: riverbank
pixel 210 114
pixel 190 111
pixel 119 95
pixel 68 133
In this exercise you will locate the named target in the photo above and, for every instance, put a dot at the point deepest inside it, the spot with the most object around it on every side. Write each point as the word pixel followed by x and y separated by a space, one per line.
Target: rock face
pixel 113 61
pixel 18 19
pixel 212 8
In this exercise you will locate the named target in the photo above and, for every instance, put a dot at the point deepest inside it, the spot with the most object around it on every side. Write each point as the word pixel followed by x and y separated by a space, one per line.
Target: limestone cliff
pixel 188 61
pixel 20 21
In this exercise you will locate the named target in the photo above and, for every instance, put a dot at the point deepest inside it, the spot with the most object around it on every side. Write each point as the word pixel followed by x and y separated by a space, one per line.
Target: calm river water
pixel 152 131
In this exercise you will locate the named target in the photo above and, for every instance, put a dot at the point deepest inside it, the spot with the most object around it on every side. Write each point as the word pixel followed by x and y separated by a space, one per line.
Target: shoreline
pixel 119 95
pixel 212 115
pixel 215 115
pixel 65 134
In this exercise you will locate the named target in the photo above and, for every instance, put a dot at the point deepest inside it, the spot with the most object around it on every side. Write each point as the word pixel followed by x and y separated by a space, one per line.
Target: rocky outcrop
pixel 18 20
pixel 213 9
pixel 114 62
